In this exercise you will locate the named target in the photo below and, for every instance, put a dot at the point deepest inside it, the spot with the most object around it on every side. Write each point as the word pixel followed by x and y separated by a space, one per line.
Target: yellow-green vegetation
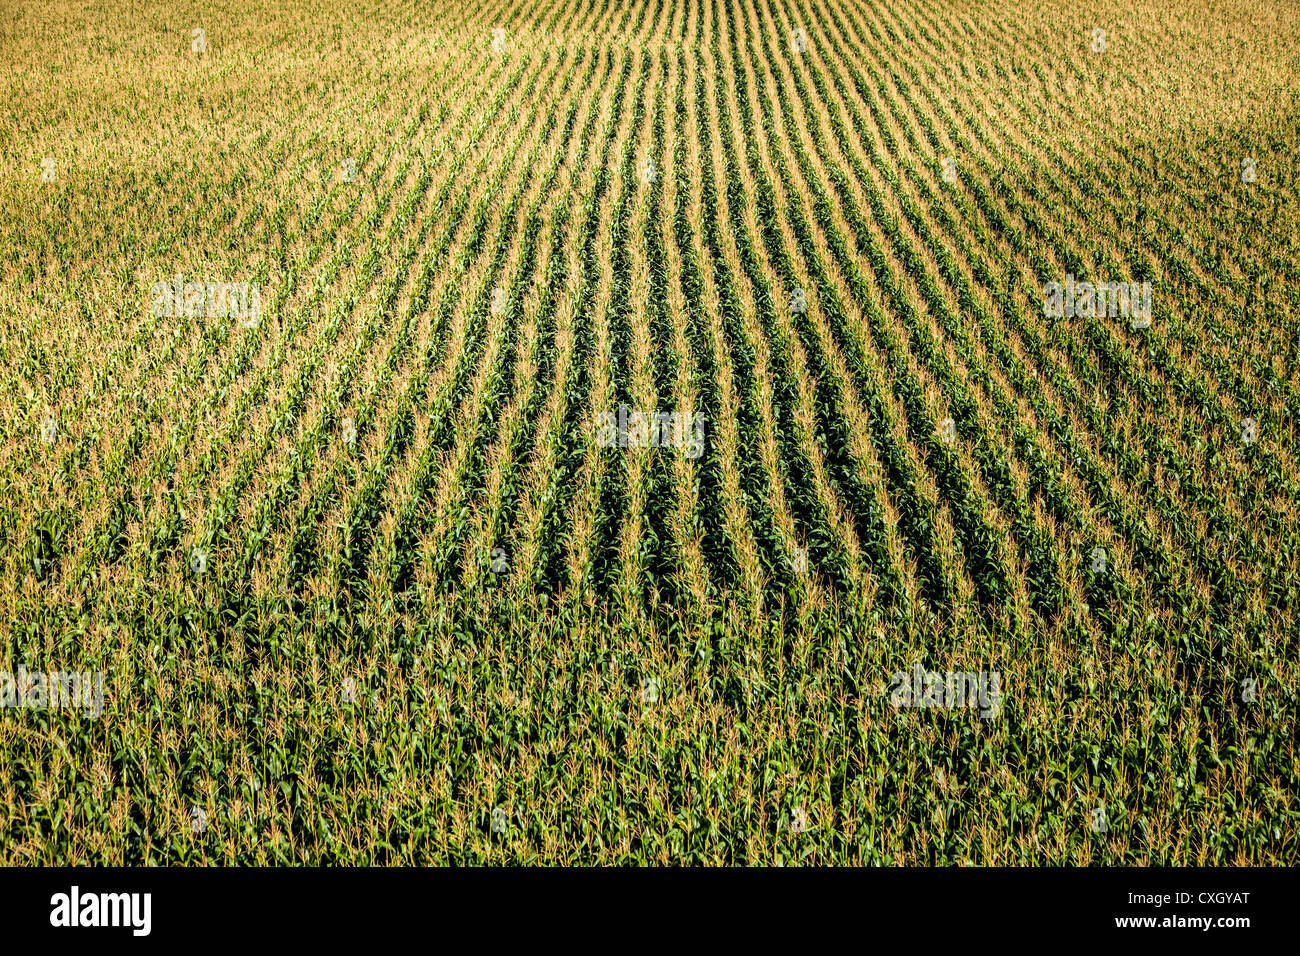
pixel 312 315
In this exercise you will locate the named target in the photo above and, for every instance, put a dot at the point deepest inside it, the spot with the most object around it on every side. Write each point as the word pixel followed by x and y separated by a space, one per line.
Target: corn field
pixel 666 432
